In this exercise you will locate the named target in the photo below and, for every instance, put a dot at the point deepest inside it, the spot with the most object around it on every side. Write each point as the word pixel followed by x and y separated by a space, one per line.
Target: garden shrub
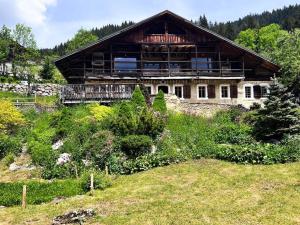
pixel 100 112
pixel 150 123
pixel 41 153
pixel 233 134
pixel 159 103
pixel 136 145
pixel 101 181
pixel 9 145
pixel 125 121
pixel 9 159
pixel 138 101
pixel 10 117
pixel 150 161
pixel 99 147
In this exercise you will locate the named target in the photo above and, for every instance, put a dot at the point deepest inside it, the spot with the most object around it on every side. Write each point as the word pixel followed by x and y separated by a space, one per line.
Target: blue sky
pixel 55 21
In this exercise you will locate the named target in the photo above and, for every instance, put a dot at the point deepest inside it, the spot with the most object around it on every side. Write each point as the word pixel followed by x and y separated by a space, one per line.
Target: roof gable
pixel 181 20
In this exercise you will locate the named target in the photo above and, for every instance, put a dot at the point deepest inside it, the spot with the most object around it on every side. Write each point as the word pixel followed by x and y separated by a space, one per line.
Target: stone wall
pixel 38 89
pixel 184 106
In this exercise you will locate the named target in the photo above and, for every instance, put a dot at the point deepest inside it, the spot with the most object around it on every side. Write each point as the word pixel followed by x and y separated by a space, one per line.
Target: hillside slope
pixel 196 192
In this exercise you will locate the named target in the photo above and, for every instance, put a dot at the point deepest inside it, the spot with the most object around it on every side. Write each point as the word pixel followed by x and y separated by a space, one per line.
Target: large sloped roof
pixel 177 17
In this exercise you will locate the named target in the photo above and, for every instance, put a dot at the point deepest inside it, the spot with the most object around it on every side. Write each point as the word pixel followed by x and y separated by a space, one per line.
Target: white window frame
pixel 206 91
pixel 178 85
pixel 268 89
pixel 151 88
pixel 228 88
pixel 252 91
pixel 159 85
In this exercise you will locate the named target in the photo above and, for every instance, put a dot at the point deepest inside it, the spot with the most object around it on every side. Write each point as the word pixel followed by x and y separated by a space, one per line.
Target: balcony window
pixel 125 65
pixel 202 64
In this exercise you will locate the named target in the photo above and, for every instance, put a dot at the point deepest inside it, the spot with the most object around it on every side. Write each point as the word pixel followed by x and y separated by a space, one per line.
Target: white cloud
pixel 30 12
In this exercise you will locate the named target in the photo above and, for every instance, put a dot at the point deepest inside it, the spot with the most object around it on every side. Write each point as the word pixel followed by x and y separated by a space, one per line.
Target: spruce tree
pixel 159 103
pixel 47 71
pixel 279 116
pixel 138 100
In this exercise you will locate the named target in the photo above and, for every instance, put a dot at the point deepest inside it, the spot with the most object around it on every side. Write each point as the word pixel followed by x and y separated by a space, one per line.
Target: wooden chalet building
pixel 169 53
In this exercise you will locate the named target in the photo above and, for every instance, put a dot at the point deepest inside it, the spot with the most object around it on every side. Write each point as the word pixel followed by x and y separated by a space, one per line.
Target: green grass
pixel 38 192
pixel 195 192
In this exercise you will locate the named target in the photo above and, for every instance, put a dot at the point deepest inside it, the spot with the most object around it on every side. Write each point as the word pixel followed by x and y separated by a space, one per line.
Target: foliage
pixel 136 145
pixel 159 103
pixel 101 181
pixel 9 159
pixel 82 38
pixel 10 117
pixel 279 116
pixel 5 42
pixel 41 154
pixel 138 100
pixel 38 192
pixel 100 112
pixel 48 70
pixel 9 145
pixel 99 147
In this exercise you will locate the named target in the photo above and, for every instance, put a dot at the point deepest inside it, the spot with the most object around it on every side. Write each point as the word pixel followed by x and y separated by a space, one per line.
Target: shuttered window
pixel 248 91
pixel 233 91
pixel 211 91
pixel 202 92
pixel 187 91
pixel 178 91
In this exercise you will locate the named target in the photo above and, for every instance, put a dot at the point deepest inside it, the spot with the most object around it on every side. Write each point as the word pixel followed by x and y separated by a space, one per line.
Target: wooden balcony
pixel 79 93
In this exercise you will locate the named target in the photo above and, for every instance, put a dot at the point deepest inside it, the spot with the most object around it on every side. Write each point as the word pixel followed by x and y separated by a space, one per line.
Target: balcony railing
pixel 76 93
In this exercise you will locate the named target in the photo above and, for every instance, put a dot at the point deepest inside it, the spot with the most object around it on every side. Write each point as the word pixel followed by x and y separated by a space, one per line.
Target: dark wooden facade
pixel 162 47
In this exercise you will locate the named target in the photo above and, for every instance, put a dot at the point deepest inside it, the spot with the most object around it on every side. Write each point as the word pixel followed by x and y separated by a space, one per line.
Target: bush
pixel 10 117
pixel 9 144
pixel 38 192
pixel 41 154
pixel 125 121
pixel 100 112
pixel 99 147
pixel 136 145
pixel 233 134
pixel 100 181
pixel 9 159
pixel 159 103
pixel 150 161
pixel 138 100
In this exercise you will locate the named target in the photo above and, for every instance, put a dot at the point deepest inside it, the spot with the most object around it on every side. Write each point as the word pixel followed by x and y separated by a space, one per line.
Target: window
pixel 125 65
pixel 248 91
pixel 202 92
pixel 178 90
pixel 98 59
pixel 164 88
pixel 148 89
pixel 264 91
pixel 224 91
pixel 151 66
pixel 202 64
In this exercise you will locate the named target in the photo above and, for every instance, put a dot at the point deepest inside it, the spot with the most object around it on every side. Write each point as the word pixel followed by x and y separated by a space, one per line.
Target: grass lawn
pixel 195 192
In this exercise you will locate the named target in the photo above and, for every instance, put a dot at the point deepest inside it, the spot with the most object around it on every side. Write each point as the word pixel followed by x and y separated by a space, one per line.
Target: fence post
pixel 24 197
pixel 106 170
pixel 92 182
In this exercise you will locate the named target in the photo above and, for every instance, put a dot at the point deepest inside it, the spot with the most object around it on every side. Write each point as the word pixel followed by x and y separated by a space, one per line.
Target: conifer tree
pixel 138 100
pixel 159 103
pixel 279 116
pixel 47 71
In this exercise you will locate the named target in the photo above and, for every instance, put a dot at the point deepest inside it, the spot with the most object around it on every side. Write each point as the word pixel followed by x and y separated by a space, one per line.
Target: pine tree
pixel 138 100
pixel 279 116
pixel 47 71
pixel 159 103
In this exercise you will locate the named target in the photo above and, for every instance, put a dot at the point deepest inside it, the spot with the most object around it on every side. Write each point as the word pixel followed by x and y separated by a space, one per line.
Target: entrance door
pixel 164 88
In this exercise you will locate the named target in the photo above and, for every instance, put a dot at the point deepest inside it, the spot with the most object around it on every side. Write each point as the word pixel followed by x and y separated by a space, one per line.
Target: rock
pixel 58 199
pixel 57 144
pixel 63 158
pixel 74 217
pixel 14 167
